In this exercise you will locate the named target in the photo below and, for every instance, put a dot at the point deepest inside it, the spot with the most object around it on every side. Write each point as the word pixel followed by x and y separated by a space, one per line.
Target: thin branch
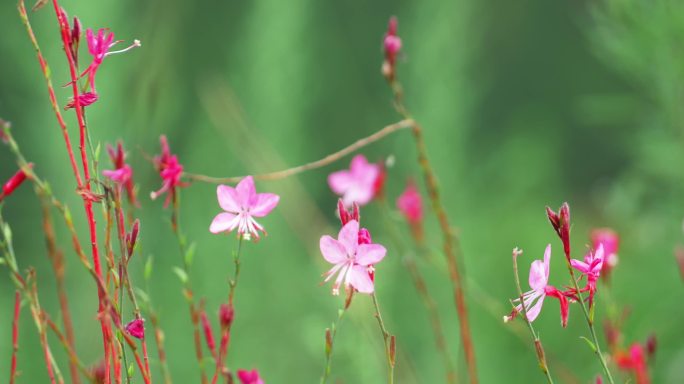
pixel 333 157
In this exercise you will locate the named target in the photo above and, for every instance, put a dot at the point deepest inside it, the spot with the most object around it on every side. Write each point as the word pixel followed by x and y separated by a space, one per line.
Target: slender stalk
pixel 15 336
pixel 161 351
pixel 73 357
pixel 590 323
pixel 225 334
pixel 187 287
pixel 388 340
pixel 541 356
pixel 331 158
pixel 421 287
pixel 330 336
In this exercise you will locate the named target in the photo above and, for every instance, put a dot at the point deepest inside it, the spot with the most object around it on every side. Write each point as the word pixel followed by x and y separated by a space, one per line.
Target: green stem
pixel 386 338
pixel 330 344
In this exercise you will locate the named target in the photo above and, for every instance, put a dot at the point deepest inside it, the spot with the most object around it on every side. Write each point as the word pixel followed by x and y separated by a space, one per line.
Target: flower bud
pixel 136 328
pixel 226 315
pixel 132 237
pixel 14 182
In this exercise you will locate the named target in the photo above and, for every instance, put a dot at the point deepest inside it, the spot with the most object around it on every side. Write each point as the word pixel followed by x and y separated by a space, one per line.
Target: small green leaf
pixel 7 233
pixel 590 343
pixel 142 295
pixel 97 151
pixel 190 253
pixel 147 273
pixel 131 370
pixel 181 274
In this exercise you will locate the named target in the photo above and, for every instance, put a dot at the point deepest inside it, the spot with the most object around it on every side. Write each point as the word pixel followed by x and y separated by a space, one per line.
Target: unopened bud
pixel 14 182
pixel 393 350
pixel 132 237
pixel 208 333
pixel 136 328
pixel 226 315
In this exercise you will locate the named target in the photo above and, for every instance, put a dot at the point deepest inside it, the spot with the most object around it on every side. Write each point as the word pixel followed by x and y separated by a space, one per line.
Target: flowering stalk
pixel 227 312
pixel 15 336
pixel 331 334
pixel 539 348
pixel 451 243
pixel 388 339
pixel 561 223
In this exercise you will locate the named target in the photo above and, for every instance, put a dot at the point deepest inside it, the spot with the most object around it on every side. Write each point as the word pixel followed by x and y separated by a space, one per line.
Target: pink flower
pixel 84 99
pixel 634 361
pixel 539 282
pixel 170 171
pixel 122 173
pixel 241 205
pixel 358 184
pixel 410 204
pixel 611 243
pixel 249 377
pixel 351 260
pixel 136 328
pixel 591 267
pixel 99 46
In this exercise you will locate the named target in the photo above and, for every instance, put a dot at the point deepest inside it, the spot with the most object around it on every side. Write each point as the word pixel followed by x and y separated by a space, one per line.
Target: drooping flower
pixel 122 172
pixel 358 184
pixel 539 282
pixel 350 259
pixel 14 182
pixel 170 171
pixel 392 46
pixel 136 328
pixel 410 204
pixel 249 377
pixel 611 243
pixel 241 205
pixel 591 268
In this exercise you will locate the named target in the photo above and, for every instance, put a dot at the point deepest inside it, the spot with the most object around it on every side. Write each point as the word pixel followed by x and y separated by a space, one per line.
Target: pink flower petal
pixel 580 265
pixel 264 204
pixel 359 164
pixel 361 280
pixel 538 277
pixel 547 261
pixel 228 198
pixel 340 182
pixel 246 192
pixel 333 251
pixel 349 236
pixel 369 254
pixel 533 312
pixel 223 222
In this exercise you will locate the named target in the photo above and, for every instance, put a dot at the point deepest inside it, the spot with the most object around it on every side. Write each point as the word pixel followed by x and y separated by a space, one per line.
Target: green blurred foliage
pixel 524 104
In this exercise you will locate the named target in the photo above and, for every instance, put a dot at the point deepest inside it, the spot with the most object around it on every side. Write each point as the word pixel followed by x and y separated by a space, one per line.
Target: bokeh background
pixel 524 104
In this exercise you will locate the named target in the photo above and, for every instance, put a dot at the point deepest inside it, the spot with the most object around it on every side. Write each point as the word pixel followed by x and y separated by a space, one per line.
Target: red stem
pixel 64 27
pixel 15 336
pixel 223 350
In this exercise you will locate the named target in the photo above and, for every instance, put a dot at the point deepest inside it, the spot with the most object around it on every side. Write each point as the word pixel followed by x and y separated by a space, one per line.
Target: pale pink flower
pixel 136 328
pixel 358 184
pixel 611 243
pixel 241 205
pixel 351 260
pixel 410 204
pixel 170 170
pixel 249 377
pixel 539 282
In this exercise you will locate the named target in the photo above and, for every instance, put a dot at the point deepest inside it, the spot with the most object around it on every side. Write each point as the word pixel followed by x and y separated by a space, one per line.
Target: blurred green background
pixel 524 104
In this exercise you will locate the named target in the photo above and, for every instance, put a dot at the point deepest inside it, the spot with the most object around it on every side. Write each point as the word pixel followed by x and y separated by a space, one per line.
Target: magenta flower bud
pixel 208 333
pixel 346 216
pixel 226 315
pixel 365 236
pixel 132 237
pixel 651 345
pixel 136 328
pixel 410 204
pixel 14 182
pixel 561 224
pixel 249 377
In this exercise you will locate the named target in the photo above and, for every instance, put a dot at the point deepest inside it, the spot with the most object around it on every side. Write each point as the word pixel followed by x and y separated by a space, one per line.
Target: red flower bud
pixel 347 216
pixel 14 182
pixel 136 328
pixel 226 315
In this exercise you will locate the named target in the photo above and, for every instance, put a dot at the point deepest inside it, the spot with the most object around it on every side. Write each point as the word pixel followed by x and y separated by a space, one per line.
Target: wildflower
pixel 611 242
pixel 351 259
pixel 136 328
pixel 591 267
pixel 539 282
pixel 14 182
pixel 122 173
pixel 249 377
pixel 226 315
pixel 410 204
pixel 392 46
pixel 358 184
pixel 241 204
pixel 170 171
pixel 208 333
pixel 634 361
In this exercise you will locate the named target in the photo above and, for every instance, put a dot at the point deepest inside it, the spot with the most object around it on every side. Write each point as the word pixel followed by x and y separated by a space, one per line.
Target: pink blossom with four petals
pixel 241 205
pixel 249 377
pixel 351 260
pixel 170 170
pixel 590 267
pixel 358 184
pixel 539 282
